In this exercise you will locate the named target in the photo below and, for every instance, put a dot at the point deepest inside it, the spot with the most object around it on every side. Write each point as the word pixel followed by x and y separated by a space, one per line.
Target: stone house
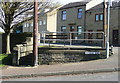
pixel 42 24
pixel 74 17
pixel 71 18
pixel 94 22
pixel 47 21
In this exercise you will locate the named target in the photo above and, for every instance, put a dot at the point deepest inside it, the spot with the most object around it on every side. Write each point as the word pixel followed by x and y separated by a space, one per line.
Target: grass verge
pixel 5 60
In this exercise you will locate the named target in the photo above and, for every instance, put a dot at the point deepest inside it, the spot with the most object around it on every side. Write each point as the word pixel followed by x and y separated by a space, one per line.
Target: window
pixel 40 22
pixel 31 24
pixel 101 17
pixel 64 15
pixel 72 28
pixel 44 22
pixel 63 28
pixel 27 24
pixel 98 17
pixel 80 13
pixel 79 29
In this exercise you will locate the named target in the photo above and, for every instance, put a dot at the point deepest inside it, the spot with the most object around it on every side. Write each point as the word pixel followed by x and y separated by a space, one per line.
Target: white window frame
pixel 40 22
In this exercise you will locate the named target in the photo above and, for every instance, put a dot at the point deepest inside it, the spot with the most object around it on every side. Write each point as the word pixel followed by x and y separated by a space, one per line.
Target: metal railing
pixel 70 37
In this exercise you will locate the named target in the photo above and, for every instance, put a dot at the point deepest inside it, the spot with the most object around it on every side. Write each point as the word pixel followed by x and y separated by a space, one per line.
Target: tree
pixel 13 14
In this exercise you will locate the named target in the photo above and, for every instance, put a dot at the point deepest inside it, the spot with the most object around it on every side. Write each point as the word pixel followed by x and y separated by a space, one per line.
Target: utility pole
pixel 35 34
pixel 104 22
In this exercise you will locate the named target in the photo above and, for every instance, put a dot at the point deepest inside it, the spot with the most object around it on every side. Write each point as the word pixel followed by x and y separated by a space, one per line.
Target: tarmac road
pixel 111 76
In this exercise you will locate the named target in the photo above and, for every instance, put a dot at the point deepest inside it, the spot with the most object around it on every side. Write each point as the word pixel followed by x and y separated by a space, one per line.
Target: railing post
pixel 103 41
pixel 107 49
pixel 112 50
pixel 44 38
pixel 70 39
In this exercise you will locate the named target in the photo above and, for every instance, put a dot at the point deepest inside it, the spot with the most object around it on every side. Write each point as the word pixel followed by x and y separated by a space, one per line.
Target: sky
pixel 68 1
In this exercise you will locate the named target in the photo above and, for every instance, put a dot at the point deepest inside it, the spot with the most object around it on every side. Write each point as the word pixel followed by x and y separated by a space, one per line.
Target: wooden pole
pixel 35 33
pixel 104 22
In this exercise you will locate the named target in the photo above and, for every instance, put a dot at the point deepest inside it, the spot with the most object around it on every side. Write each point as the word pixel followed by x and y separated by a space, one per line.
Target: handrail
pixel 70 39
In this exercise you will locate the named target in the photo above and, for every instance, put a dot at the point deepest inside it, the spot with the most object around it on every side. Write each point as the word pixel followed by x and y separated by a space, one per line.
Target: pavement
pixel 94 66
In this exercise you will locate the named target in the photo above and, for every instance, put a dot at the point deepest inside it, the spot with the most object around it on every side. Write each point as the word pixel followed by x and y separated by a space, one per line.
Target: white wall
pixel 93 3
pixel 52 21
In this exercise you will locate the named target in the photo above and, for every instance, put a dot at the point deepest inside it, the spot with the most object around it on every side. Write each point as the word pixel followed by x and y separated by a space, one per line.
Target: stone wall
pixel 91 24
pixel 66 56
pixel 22 50
pixel 15 38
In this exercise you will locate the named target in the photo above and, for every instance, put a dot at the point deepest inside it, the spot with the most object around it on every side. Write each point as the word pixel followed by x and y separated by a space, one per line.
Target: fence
pixel 71 37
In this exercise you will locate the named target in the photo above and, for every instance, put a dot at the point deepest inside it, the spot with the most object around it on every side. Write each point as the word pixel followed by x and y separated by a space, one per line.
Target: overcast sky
pixel 68 1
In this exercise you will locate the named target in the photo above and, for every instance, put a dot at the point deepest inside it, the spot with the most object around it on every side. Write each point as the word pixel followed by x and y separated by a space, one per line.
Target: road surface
pixel 111 76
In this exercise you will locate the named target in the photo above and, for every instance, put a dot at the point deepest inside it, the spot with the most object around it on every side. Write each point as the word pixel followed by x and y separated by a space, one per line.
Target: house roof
pixel 100 6
pixel 74 4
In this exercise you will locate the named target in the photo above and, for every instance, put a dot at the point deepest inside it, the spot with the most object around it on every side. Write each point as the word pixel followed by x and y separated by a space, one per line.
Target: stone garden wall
pixel 15 38
pixel 53 56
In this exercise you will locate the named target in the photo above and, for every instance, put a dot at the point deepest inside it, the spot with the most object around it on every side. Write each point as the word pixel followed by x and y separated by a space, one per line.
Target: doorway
pixel 72 29
pixel 115 37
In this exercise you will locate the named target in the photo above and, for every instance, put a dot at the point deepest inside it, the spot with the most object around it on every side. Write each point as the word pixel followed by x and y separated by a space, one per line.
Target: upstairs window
pixel 44 22
pixel 96 17
pixel 99 17
pixel 64 15
pixel 40 22
pixel 80 13
pixel 25 25
pixel 32 24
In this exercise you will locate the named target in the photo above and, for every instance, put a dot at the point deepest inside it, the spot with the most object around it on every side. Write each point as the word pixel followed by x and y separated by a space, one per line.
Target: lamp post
pixel 35 34
pixel 108 27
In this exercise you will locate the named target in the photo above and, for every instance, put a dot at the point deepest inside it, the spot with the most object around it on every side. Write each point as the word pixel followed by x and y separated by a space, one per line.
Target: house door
pixel 115 37
pixel 90 36
pixel 71 30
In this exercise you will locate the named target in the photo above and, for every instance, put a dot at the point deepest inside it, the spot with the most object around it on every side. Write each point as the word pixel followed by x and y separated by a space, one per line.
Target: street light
pixel 35 34
pixel 108 27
